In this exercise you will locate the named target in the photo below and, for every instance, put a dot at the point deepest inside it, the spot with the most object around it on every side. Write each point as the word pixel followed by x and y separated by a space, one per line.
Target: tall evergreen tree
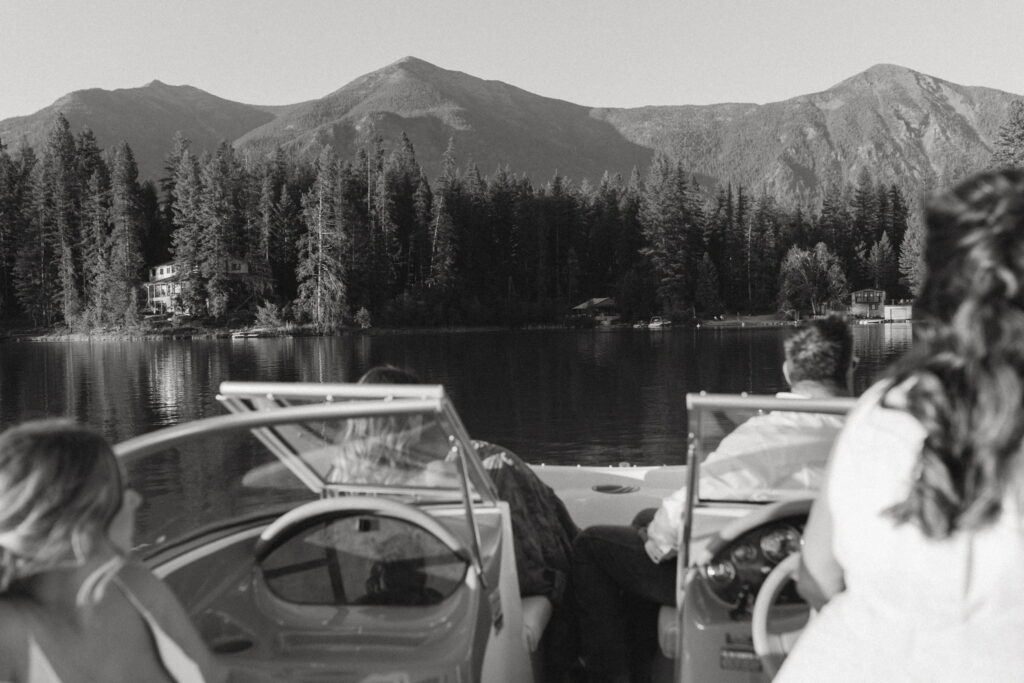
pixel 96 239
pixel 671 220
pixel 187 246
pixel 125 250
pixel 911 261
pixel 321 269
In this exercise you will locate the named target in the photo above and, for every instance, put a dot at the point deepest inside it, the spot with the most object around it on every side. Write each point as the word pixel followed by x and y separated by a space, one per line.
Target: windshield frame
pixel 136 449
pixel 699 403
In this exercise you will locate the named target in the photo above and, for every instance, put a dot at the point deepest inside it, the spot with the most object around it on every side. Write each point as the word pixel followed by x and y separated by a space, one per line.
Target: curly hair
pixel 60 488
pixel 964 377
pixel 820 350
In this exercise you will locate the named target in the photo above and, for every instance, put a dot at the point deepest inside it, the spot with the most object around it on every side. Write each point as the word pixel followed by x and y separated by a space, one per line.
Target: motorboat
pixel 360 539
pixel 657 323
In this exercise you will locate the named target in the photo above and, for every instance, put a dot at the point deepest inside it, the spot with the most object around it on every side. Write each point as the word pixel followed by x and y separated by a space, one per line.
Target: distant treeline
pixel 372 239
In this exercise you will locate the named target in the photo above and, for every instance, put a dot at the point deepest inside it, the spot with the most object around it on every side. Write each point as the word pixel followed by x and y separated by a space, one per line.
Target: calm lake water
pixel 553 396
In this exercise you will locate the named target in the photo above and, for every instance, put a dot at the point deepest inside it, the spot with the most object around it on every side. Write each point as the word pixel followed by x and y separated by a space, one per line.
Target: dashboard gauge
pixel 721 573
pixel 745 553
pixel 779 543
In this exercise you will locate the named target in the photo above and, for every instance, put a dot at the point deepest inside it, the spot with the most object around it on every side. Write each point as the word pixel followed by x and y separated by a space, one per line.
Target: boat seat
pixel 536 615
pixel 668 631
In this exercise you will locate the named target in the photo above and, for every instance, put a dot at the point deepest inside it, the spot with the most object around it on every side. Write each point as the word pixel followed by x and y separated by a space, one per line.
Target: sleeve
pixel 664 528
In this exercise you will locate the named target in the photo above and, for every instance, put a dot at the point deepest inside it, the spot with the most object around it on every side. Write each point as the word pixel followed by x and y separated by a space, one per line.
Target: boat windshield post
pixel 481 481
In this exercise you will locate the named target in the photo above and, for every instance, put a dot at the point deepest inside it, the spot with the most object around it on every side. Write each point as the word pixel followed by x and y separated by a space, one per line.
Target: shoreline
pixel 751 322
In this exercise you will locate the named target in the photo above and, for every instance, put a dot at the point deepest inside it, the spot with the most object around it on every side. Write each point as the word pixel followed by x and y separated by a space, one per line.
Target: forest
pixel 332 243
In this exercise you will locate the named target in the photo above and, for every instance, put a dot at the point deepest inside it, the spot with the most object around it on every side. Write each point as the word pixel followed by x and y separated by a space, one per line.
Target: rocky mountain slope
pixel 903 126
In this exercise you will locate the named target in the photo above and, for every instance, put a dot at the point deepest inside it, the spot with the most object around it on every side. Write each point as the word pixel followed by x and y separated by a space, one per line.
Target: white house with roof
pixel 163 289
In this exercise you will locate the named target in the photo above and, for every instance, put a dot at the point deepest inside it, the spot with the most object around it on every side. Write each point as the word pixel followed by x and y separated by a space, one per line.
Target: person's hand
pixel 656 554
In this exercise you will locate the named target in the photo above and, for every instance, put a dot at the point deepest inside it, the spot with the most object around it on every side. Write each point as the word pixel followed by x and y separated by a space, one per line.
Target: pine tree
pixel 186 239
pixel 321 269
pixel 443 246
pixel 11 223
pixel 96 240
pixel 881 264
pixel 125 250
pixel 708 298
pixel 221 237
pixel 911 262
pixel 672 226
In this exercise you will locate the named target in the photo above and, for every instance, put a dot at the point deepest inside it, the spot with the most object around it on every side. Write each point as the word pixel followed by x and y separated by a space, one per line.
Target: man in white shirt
pixel 620 573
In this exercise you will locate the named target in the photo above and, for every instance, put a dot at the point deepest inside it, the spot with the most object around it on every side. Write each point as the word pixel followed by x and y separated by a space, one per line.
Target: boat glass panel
pixel 361 559
pixel 762 449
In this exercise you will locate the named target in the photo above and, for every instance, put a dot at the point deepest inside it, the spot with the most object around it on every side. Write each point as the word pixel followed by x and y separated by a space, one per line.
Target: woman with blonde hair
pixel 915 547
pixel 73 607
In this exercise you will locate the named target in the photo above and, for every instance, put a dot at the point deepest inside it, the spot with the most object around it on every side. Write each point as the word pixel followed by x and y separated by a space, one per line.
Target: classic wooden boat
pixel 361 539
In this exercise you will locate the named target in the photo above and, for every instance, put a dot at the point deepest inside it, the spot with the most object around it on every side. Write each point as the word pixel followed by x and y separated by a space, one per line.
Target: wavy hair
pixel 964 377
pixel 821 350
pixel 60 487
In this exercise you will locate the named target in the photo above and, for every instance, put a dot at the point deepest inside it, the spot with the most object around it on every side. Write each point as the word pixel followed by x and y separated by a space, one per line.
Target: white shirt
pixel 776 452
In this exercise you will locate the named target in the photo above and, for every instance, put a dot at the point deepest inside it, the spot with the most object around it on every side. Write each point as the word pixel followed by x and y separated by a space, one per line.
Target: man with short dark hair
pixel 621 573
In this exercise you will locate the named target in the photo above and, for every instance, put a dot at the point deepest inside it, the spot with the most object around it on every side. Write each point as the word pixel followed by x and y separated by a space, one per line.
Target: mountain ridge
pixel 904 126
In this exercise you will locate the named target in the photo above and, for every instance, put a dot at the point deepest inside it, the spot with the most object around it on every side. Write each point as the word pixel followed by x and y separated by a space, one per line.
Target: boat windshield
pixel 762 449
pixel 276 450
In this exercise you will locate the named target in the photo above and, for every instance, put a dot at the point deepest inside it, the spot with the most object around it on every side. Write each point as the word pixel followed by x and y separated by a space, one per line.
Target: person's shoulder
pixel 883 407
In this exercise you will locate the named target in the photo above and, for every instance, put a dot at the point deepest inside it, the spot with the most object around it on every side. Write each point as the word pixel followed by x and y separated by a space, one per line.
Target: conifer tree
pixel 11 224
pixel 221 237
pixel 881 265
pixel 321 269
pixel 671 224
pixel 187 247
pixel 911 261
pixel 443 247
pixel 96 239
pixel 708 299
pixel 125 250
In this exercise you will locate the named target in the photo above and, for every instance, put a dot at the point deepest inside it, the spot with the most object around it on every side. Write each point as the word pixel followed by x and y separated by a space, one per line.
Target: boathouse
pixel 868 303
pixel 599 310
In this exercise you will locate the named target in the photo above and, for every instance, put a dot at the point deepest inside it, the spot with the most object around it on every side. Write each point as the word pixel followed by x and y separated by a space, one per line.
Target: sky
pixel 626 53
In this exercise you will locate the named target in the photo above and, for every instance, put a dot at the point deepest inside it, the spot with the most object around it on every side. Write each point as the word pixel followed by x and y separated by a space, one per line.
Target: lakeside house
pixel 599 310
pixel 163 289
pixel 867 303
pixel 870 303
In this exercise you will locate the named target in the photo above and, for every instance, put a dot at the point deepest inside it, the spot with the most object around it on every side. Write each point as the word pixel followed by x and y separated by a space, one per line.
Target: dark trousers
pixel 618 593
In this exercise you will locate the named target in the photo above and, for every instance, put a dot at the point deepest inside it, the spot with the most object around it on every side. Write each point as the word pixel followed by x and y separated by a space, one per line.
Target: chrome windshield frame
pixel 256 421
pixel 697 403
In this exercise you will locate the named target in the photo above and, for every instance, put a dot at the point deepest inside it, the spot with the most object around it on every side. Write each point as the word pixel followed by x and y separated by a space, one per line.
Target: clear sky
pixel 624 53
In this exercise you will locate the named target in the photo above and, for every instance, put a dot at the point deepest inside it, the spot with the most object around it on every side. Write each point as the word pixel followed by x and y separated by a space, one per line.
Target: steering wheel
pixel 772 648
pixel 304 516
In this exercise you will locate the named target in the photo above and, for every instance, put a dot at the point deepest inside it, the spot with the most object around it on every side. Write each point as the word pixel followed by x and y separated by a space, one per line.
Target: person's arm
pixel 661 534
pixel 820 575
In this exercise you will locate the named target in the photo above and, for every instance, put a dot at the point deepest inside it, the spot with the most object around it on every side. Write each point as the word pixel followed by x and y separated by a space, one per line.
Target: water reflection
pixel 555 396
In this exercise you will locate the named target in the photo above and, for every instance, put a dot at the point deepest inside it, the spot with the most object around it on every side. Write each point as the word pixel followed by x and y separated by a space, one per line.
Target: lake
pixel 553 396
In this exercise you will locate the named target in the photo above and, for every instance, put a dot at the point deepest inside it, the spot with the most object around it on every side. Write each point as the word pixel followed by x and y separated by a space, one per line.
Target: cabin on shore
pixel 163 290
pixel 598 311
pixel 867 303
pixel 870 303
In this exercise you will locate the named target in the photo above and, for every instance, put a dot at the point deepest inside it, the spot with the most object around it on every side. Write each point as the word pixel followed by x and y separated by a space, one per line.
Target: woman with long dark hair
pixel 916 545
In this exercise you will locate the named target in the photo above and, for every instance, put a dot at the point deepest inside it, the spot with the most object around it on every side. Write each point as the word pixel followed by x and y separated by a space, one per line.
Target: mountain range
pixel 901 125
